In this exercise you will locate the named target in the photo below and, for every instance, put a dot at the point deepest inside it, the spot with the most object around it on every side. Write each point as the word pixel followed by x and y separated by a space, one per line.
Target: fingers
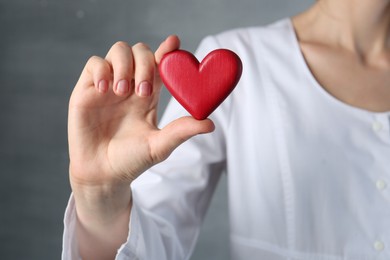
pixel 144 70
pixel 97 72
pixel 146 61
pixel 127 69
pixel 120 57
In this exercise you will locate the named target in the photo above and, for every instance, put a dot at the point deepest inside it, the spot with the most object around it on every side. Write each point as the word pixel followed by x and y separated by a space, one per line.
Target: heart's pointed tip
pixel 200 118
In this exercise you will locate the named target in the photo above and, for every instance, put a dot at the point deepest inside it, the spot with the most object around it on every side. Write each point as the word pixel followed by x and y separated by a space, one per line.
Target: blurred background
pixel 44 45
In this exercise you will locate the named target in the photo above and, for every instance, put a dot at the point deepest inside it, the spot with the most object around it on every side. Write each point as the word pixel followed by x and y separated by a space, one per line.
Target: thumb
pixel 179 131
pixel 170 44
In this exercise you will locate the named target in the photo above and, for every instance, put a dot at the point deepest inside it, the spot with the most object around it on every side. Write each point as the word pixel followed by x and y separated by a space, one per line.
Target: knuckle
pixel 93 59
pixel 96 63
pixel 121 44
pixel 93 63
pixel 141 45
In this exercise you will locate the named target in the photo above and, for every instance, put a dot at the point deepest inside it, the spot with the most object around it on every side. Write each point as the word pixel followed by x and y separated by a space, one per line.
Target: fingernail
pixel 103 86
pixel 122 87
pixel 144 89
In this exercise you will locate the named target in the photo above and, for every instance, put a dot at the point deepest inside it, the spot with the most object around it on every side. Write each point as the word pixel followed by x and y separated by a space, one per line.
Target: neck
pixel 361 26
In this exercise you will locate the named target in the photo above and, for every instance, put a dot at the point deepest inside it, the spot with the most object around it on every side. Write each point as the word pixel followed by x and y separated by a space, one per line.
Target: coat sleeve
pixel 170 199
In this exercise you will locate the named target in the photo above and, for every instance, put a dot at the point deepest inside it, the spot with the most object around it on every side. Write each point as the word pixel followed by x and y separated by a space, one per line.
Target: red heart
pixel 200 87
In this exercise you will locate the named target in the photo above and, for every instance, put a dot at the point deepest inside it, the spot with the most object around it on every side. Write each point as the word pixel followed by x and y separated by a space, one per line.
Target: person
pixel 304 139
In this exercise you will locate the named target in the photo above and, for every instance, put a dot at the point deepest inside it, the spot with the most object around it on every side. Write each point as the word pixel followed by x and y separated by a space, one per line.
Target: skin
pixel 346 44
pixel 113 137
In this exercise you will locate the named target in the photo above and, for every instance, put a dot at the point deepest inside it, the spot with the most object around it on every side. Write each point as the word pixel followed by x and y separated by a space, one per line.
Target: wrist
pixel 101 203
pixel 105 224
pixel 103 214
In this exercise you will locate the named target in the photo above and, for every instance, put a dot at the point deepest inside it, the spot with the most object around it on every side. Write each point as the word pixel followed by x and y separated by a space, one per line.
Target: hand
pixel 113 136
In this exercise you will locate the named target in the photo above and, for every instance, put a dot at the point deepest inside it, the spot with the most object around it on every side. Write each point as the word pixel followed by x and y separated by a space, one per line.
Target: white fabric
pixel 307 174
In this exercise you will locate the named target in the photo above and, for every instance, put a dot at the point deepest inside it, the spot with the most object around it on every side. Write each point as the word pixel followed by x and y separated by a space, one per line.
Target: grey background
pixel 43 47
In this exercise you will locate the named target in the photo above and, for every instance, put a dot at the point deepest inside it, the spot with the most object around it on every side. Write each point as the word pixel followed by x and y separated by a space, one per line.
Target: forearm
pixel 102 219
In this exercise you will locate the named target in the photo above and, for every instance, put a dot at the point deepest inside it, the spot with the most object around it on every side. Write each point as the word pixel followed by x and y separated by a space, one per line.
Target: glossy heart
pixel 200 87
